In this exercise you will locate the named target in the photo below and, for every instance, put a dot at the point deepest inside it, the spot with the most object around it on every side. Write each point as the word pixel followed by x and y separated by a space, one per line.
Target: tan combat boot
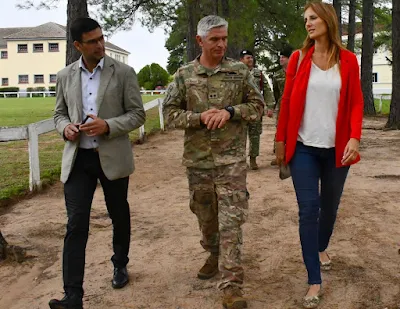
pixel 210 268
pixel 233 298
pixel 253 163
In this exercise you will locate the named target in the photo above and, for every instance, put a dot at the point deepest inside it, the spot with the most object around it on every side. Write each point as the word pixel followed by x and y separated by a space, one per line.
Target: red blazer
pixel 351 103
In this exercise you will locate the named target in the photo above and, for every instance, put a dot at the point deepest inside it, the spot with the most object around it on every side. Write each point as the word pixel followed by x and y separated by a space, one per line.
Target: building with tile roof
pixel 32 56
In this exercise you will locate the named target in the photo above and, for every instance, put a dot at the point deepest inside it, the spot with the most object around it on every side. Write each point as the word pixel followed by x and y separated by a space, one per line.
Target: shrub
pixel 32 89
pixel 52 88
pixel 9 89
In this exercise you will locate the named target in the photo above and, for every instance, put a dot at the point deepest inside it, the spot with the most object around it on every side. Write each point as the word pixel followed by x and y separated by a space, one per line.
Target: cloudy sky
pixel 145 47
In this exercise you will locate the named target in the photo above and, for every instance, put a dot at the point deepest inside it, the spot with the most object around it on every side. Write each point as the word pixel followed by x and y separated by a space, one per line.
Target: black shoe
pixel 71 301
pixel 120 278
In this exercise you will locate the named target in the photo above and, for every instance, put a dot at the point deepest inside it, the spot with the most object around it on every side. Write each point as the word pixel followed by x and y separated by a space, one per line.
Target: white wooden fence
pixel 153 92
pixel 32 131
pixel 25 94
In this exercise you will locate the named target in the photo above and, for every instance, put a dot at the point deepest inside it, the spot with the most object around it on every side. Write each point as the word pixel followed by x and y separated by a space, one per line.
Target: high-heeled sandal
pixel 326 265
pixel 310 302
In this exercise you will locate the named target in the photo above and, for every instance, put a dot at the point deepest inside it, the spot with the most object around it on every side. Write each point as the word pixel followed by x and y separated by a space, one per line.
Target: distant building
pixel 32 56
pixel 381 68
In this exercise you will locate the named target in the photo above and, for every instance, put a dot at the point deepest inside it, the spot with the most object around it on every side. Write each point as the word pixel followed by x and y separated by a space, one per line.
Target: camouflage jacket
pixel 265 90
pixel 196 89
pixel 258 79
pixel 278 84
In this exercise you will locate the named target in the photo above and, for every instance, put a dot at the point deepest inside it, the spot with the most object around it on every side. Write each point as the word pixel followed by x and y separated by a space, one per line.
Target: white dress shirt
pixel 90 86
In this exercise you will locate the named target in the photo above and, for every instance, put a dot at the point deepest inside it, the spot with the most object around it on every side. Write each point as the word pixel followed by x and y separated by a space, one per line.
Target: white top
pixel 90 86
pixel 318 126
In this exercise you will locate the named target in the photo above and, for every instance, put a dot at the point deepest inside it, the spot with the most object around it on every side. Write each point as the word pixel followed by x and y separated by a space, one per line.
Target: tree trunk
pixel 233 49
pixel 352 26
pixel 3 247
pixel 337 4
pixel 225 8
pixel 192 48
pixel 10 252
pixel 367 56
pixel 215 4
pixel 394 115
pixel 75 9
pixel 199 8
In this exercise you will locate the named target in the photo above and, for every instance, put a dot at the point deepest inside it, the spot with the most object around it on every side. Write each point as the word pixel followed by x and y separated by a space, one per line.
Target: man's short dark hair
pixel 82 25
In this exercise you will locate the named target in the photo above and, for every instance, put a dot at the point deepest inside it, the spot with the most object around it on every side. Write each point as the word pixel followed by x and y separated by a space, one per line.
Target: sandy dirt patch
pixel 165 251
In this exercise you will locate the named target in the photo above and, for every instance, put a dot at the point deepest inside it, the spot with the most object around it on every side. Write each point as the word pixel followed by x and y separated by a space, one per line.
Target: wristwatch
pixel 231 110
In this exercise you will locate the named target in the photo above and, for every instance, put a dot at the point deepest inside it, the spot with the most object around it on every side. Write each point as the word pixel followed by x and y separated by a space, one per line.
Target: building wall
pixel 382 71
pixel 38 63
pixel 380 67
pixel 32 63
pixel 117 55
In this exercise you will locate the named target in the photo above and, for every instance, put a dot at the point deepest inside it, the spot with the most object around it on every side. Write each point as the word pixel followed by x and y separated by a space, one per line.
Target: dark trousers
pixel 79 190
pixel 318 204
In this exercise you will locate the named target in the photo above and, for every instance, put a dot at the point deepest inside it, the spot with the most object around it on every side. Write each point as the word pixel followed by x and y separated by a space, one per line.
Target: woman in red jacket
pixel 318 134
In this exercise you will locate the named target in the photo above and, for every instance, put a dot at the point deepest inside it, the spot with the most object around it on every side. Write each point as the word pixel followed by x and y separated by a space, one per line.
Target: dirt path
pixel 165 251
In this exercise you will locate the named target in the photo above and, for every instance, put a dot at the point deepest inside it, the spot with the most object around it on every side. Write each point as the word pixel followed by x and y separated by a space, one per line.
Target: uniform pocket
pixel 203 204
pixel 196 95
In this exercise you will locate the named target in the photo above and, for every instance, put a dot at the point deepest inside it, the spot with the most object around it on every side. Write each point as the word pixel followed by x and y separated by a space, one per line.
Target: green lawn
pixel 385 106
pixel 17 112
pixel 14 161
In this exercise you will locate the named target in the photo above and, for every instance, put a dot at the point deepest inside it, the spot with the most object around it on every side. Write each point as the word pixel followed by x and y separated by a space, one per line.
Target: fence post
pixel 380 103
pixel 141 134
pixel 160 113
pixel 34 166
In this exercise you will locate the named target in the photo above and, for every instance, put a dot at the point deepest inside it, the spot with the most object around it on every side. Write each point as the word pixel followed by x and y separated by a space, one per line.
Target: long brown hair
pixel 327 13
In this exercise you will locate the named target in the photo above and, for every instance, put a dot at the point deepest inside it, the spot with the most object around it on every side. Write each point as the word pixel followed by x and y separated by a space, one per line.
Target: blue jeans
pixel 317 207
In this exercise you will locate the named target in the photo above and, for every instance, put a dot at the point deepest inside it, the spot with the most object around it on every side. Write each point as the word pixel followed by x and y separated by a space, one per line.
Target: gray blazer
pixel 118 102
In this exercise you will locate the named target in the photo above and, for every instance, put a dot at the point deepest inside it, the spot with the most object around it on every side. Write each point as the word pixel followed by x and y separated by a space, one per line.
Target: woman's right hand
pixel 280 152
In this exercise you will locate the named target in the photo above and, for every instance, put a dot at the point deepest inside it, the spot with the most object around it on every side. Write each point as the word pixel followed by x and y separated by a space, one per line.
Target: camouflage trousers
pixel 219 199
pixel 276 126
pixel 254 131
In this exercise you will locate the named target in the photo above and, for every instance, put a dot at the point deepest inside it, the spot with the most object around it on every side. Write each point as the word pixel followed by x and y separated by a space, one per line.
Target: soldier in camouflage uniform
pixel 278 83
pixel 213 98
pixel 255 128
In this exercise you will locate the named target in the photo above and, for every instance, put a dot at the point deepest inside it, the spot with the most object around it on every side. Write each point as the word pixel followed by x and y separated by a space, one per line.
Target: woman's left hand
pixel 351 151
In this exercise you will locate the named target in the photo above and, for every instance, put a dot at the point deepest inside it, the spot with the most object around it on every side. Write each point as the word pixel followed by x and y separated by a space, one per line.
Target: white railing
pixel 32 131
pixel 25 94
pixel 153 92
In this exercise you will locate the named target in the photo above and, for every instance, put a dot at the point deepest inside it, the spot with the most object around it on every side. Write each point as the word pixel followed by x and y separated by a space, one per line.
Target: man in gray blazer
pixel 98 104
